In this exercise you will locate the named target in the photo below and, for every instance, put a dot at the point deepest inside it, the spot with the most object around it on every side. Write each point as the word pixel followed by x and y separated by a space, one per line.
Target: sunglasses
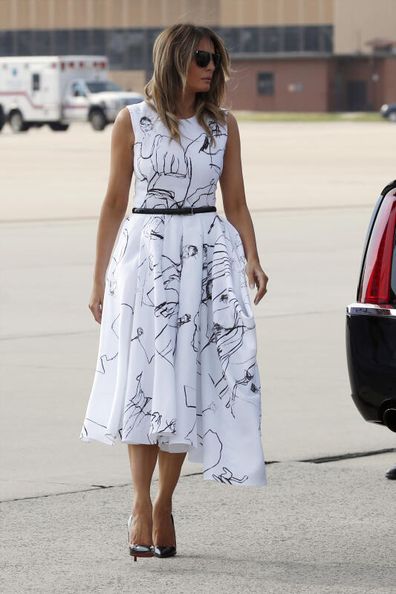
pixel 202 58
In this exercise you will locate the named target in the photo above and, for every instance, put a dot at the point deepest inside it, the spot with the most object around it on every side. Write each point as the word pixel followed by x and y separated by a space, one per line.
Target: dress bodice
pixel 169 174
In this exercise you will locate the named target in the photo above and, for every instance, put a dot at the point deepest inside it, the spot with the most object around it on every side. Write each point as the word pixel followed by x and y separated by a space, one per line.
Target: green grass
pixel 262 116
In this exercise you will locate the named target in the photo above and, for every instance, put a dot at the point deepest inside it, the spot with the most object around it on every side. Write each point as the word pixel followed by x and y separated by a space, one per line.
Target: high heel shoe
pixel 138 550
pixel 166 551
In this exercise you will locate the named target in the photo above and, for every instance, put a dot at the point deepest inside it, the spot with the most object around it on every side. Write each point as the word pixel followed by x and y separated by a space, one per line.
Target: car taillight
pixel 376 279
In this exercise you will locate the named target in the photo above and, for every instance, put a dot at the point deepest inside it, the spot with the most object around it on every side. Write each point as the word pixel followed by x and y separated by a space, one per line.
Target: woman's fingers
pixel 258 278
pixel 262 280
pixel 96 309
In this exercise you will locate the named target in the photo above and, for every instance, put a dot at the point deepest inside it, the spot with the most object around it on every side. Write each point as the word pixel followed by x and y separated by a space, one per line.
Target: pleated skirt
pixel 176 363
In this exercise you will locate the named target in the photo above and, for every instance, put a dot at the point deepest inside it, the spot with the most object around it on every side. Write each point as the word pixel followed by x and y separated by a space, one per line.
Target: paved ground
pixel 315 527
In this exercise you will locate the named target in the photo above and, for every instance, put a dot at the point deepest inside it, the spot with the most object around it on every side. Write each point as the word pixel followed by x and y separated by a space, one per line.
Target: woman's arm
pixel 236 210
pixel 114 204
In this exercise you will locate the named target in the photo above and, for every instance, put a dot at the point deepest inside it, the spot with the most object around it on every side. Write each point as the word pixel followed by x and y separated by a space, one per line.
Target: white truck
pixel 58 90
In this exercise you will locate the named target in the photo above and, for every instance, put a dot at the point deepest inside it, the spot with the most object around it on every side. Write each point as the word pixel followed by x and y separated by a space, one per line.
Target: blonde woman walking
pixel 176 370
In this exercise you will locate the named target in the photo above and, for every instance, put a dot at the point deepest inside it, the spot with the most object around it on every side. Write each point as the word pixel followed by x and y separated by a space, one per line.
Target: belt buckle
pixel 191 210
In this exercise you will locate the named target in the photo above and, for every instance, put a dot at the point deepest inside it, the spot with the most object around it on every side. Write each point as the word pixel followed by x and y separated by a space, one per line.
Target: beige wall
pixel 20 14
pixel 313 75
pixel 275 12
pixel 358 21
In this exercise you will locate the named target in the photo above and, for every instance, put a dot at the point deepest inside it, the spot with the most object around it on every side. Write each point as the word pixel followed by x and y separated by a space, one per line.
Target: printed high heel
pixel 168 550
pixel 138 550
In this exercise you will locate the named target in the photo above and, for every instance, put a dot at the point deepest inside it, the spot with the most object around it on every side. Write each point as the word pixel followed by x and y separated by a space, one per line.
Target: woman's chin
pixel 204 88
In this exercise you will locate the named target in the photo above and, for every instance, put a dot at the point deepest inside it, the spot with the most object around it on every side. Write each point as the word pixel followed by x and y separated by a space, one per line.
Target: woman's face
pixel 199 79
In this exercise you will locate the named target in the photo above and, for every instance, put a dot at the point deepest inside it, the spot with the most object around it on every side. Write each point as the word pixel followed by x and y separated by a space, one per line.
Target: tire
pixel 97 119
pixel 17 123
pixel 58 126
pixel 392 116
pixel 2 119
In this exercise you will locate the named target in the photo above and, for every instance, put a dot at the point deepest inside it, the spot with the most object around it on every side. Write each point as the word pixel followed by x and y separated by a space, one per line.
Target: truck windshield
pixel 98 86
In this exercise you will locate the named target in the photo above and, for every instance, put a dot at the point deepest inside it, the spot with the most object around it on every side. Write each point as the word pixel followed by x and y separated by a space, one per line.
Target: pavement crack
pixel 325 459
pixel 321 460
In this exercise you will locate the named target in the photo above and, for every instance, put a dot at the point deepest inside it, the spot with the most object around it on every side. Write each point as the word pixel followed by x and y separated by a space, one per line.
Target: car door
pixel 76 102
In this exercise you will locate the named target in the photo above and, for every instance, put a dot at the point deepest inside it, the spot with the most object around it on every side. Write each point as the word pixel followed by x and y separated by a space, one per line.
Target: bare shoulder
pixel 122 127
pixel 231 119
pixel 232 129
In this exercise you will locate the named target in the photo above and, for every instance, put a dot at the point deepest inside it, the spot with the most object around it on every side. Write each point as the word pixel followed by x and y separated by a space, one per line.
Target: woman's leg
pixel 142 460
pixel 170 466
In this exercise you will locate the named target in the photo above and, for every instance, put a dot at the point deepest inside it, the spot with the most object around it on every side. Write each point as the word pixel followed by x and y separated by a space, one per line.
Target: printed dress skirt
pixel 176 363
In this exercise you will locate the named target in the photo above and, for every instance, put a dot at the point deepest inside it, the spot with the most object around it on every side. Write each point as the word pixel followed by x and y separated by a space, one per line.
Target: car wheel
pixel 17 122
pixel 392 116
pixel 97 119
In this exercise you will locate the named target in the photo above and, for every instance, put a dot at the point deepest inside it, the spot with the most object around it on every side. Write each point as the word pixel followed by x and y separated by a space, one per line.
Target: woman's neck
pixel 186 105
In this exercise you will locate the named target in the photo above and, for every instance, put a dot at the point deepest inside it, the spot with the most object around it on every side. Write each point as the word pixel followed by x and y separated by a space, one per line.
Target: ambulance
pixel 59 90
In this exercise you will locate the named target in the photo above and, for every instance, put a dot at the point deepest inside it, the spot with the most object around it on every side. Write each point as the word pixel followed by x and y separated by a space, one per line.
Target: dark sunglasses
pixel 202 58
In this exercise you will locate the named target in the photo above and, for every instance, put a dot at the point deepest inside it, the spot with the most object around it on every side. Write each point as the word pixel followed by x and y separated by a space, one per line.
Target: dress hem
pixel 114 442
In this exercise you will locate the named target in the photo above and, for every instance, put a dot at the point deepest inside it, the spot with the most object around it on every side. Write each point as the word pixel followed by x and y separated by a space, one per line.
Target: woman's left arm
pixel 236 210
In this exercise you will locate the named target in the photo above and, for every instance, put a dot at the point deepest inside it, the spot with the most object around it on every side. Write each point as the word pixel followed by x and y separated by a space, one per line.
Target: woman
pixel 176 368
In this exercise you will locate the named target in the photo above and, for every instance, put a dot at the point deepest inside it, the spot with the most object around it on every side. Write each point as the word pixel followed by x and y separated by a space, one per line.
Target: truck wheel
pixel 58 126
pixel 17 123
pixel 97 119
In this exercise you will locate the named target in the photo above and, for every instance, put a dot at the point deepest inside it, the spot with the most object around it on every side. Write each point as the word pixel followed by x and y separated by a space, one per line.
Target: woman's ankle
pixel 163 504
pixel 141 505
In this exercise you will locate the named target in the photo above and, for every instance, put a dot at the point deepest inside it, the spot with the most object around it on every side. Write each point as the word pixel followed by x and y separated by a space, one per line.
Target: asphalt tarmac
pixel 324 523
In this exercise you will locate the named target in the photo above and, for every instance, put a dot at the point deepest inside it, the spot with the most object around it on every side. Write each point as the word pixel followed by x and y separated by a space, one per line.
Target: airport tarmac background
pixel 316 527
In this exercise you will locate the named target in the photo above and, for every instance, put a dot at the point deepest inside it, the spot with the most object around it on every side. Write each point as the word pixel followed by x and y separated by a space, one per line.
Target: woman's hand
pixel 256 278
pixel 96 300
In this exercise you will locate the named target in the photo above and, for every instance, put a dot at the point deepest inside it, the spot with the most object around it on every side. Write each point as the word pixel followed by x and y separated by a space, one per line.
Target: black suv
pixel 371 320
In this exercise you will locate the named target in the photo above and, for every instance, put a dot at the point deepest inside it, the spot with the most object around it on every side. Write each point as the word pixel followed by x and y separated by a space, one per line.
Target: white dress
pixel 176 363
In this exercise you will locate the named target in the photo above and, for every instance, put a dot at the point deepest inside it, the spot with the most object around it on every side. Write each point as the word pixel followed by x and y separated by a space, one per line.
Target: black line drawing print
pixel 116 258
pixel 228 477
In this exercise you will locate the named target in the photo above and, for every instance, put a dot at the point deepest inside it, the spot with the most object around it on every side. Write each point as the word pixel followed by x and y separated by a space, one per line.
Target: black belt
pixel 183 210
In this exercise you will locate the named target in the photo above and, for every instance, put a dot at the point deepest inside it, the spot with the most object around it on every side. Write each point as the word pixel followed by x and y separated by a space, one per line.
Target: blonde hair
pixel 172 55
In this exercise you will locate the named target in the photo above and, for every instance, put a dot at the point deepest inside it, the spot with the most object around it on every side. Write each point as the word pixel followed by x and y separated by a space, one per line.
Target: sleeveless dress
pixel 176 363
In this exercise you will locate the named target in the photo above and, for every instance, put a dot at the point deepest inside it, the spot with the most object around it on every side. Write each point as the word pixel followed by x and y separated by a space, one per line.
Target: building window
pixel 80 44
pixel 7 43
pixel 249 40
pixel 41 43
pixel 23 43
pixel 131 48
pixel 61 41
pixel 265 83
pixel 116 48
pixel 98 42
pixel 292 39
pixel 271 39
pixel 311 39
pixel 230 36
pixel 135 45
pixel 151 35
pixel 326 39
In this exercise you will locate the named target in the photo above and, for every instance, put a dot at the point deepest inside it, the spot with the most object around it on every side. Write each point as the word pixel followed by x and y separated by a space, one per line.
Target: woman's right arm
pixel 114 204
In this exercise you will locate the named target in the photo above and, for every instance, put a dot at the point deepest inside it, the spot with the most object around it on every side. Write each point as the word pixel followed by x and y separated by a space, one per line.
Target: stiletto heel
pixel 166 551
pixel 138 550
